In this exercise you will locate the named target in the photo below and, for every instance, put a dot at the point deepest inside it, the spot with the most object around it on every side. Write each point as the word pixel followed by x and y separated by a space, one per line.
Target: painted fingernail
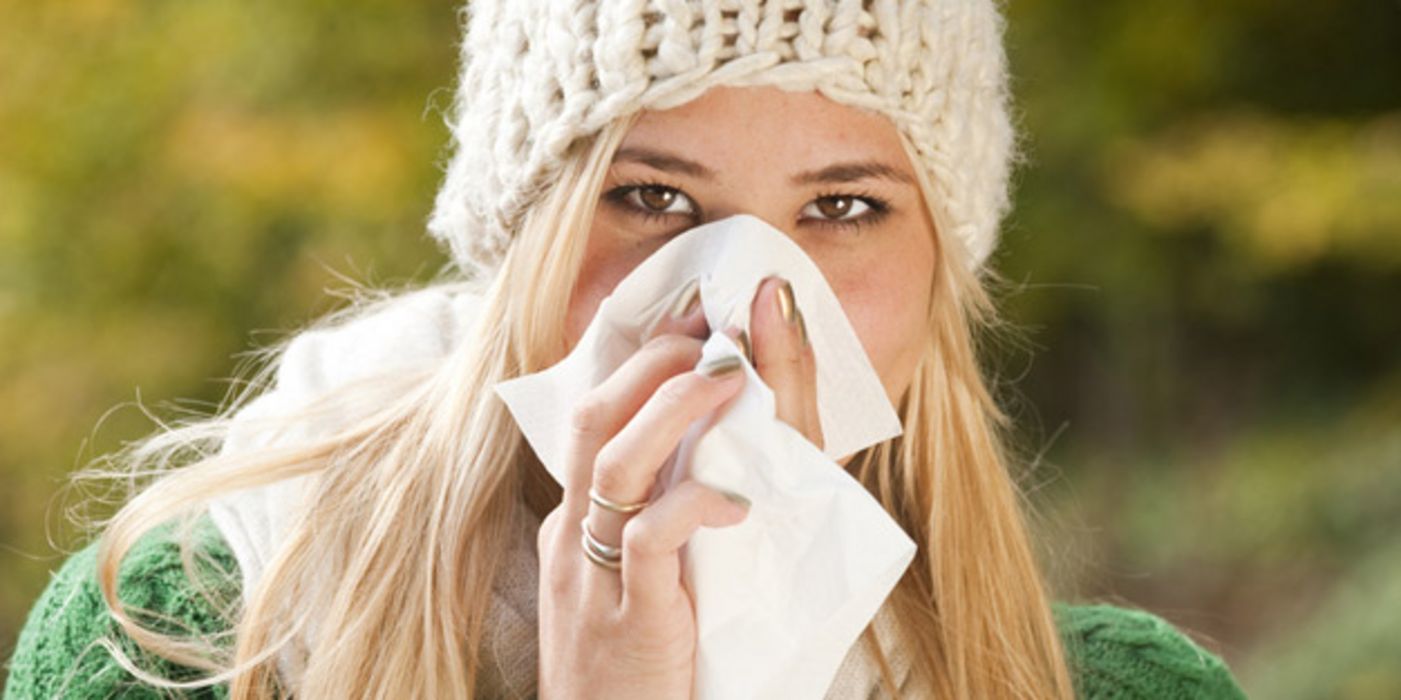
pixel 802 328
pixel 744 345
pixel 687 300
pixel 721 366
pixel 786 306
pixel 735 498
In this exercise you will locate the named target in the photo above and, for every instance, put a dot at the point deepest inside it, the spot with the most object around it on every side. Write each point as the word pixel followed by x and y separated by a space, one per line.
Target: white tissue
pixel 781 597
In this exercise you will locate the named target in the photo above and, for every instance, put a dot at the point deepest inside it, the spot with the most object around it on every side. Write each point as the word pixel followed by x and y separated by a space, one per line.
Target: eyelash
pixel 879 207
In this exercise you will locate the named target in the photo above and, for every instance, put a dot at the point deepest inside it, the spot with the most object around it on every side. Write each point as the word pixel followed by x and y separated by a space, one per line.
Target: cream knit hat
pixel 539 74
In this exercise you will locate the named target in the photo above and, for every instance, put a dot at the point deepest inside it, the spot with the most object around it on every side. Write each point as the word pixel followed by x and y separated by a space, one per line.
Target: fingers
pixel 672 347
pixel 784 358
pixel 651 571
pixel 608 406
pixel 626 467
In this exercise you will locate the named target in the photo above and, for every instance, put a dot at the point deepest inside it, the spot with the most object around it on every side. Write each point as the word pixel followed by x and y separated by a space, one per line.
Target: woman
pixel 378 527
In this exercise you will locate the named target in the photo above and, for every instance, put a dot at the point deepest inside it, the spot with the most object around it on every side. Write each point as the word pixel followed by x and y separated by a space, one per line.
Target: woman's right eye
pixel 653 201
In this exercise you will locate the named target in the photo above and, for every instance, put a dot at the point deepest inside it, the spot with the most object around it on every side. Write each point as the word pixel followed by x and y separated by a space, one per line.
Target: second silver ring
pixel 604 555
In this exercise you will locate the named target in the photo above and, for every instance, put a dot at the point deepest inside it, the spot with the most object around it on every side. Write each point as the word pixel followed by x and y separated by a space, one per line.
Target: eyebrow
pixel 836 173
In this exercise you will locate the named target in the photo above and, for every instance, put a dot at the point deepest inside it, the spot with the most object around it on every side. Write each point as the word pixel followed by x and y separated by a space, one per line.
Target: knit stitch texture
pixel 539 75
pixel 1116 653
pixel 59 656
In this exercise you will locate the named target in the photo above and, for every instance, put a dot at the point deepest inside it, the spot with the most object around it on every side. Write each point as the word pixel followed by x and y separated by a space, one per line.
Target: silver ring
pixel 615 506
pixel 607 556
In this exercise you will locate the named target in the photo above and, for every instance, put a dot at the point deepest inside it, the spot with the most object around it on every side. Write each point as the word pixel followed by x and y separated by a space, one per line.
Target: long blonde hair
pixel 414 499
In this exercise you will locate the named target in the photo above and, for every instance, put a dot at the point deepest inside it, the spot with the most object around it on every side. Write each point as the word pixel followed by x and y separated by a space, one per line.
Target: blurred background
pixel 1204 262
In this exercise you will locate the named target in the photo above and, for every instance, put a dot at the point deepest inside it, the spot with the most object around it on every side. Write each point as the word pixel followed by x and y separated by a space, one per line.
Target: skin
pixel 631 633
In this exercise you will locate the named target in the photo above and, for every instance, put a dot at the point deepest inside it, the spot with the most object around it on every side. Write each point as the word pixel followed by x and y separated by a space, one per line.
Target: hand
pixel 630 633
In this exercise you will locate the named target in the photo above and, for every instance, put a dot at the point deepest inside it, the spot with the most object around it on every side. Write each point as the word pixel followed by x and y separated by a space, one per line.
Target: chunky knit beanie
pixel 539 74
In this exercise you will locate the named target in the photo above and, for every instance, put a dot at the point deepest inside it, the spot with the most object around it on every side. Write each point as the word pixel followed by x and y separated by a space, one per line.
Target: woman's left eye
pixel 846 211
pixel 837 208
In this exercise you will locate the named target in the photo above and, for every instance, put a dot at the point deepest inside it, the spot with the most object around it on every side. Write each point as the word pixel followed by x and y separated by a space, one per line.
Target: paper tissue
pixel 781 597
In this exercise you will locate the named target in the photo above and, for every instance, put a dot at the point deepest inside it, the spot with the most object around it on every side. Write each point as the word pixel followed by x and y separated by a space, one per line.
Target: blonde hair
pixel 414 499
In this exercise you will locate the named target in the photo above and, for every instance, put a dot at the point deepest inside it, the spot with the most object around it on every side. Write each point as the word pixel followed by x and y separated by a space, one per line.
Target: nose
pixel 771 217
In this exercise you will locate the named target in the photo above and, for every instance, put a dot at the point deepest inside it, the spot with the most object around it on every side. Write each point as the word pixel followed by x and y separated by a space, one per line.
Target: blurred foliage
pixel 1205 254
pixel 176 177
pixel 1283 193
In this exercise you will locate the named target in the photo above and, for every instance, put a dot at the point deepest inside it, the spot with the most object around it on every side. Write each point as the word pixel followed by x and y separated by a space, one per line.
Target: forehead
pixel 749 120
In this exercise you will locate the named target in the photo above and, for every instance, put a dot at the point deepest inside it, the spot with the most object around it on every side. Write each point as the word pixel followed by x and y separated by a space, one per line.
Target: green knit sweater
pixel 1115 652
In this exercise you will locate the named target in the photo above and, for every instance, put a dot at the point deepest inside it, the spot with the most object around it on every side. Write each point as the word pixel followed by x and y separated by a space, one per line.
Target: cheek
pixel 889 312
pixel 600 272
pixel 581 309
pixel 589 292
pixel 891 326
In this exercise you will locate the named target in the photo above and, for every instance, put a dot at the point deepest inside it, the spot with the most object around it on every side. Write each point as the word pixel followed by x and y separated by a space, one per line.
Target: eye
pixel 837 207
pixel 653 200
pixel 846 211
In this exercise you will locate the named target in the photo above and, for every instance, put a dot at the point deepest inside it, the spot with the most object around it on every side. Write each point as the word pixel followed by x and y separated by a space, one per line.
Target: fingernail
pixel 744 345
pixel 721 366
pixel 786 305
pixel 735 498
pixel 687 300
pixel 802 328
